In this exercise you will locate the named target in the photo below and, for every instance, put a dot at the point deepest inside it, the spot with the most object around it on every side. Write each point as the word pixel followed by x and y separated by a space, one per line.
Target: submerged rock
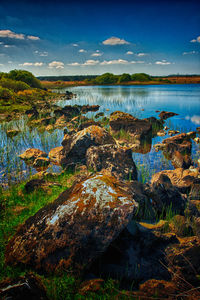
pixel 117 160
pixel 76 228
pixel 76 145
pixel 166 114
pixel 137 128
pixel 31 154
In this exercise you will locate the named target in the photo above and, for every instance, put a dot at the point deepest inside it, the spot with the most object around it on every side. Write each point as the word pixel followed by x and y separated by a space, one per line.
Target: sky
pixel 93 37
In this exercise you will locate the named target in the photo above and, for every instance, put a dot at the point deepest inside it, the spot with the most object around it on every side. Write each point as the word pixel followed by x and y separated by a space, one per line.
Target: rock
pixel 26 287
pixel 193 209
pixel 31 154
pixel 161 133
pixel 180 226
pixel 173 132
pixel 88 123
pixel 178 149
pixel 93 285
pixel 100 114
pixel 197 140
pixel 180 178
pixel 165 196
pixel 12 132
pixel 160 289
pixel 195 190
pixel 69 95
pixel 184 262
pixel 166 114
pixel 117 160
pixel 75 146
pixel 166 128
pixel 137 255
pixel 41 162
pixel 55 154
pixel 87 108
pixel 68 111
pixel 76 228
pixel 34 184
pixel 138 129
pixel 156 124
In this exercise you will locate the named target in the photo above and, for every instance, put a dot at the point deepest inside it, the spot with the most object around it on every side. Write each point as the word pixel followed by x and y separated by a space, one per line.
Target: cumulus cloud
pixel 75 45
pixel 137 62
pixel 10 34
pixel 114 62
pixel 9 46
pixel 190 52
pixel 33 38
pixel 29 64
pixel 44 53
pixel 97 53
pixel 115 41
pixel 197 40
pixel 56 65
pixel 19 36
pixel 91 62
pixel 82 51
pixel 163 62
pixel 142 54
pixel 129 52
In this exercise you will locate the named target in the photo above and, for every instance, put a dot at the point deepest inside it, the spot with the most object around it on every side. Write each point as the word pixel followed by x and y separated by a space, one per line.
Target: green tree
pixel 106 78
pixel 140 77
pixel 5 93
pixel 13 84
pixel 125 77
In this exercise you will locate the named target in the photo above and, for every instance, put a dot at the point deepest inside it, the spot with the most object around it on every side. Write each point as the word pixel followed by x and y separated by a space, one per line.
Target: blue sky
pixel 86 37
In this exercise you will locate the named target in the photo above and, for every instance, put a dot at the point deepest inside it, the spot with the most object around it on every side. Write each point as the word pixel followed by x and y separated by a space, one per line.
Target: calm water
pixel 140 101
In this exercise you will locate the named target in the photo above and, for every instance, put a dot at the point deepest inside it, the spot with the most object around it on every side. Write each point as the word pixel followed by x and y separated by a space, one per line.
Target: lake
pixel 141 101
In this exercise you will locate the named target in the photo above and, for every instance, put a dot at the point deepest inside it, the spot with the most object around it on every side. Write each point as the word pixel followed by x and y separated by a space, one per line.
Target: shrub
pixel 25 76
pixel 5 93
pixel 13 84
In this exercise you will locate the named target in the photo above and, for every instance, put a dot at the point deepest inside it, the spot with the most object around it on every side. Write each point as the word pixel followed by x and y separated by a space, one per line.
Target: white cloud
pixel 190 52
pixel 115 41
pixel 163 62
pixel 1 43
pixel 19 36
pixel 142 54
pixel 82 51
pixel 195 119
pixel 44 53
pixel 11 34
pixel 33 38
pixel 91 62
pixel 137 62
pixel 74 64
pixel 75 45
pixel 129 52
pixel 1 65
pixel 114 62
pixel 28 64
pixel 197 40
pixel 96 54
pixel 56 65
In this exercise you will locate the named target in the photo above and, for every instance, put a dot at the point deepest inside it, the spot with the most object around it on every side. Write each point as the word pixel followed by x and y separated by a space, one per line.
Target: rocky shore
pixel 108 224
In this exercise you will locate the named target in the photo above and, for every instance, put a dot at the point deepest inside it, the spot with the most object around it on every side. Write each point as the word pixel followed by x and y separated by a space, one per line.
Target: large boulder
pixel 138 129
pixel 75 146
pixel 117 160
pixel 76 228
pixel 68 111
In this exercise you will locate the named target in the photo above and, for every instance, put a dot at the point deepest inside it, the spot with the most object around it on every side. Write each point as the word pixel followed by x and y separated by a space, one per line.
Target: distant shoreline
pixel 160 81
